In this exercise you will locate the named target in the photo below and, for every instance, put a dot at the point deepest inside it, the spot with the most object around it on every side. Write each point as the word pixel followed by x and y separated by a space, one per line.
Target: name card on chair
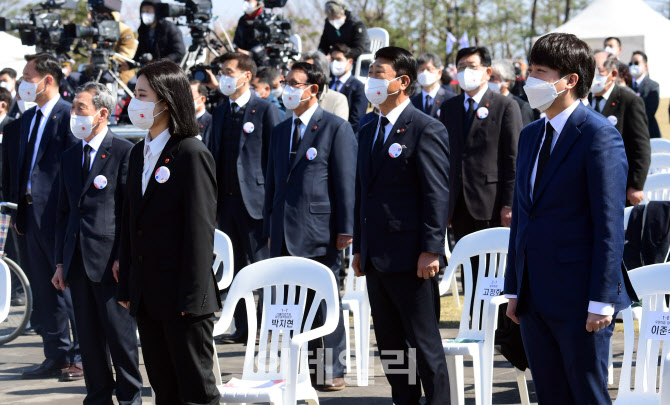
pixel 658 325
pixel 490 287
pixel 284 317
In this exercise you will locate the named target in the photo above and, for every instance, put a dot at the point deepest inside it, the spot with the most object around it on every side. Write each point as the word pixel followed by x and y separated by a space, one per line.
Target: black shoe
pixel 237 337
pixel 18 301
pixel 47 369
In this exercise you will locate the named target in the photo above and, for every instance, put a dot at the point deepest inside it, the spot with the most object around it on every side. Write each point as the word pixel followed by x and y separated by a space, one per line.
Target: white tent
pixel 637 25
pixel 13 52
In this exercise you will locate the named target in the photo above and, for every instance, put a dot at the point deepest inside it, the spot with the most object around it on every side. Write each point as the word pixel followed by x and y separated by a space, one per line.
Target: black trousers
pixel 246 235
pixel 178 355
pixel 52 308
pixel 408 335
pixel 105 328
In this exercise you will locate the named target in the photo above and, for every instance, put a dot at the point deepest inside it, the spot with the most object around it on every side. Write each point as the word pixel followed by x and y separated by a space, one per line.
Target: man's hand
pixel 595 322
pixel 17 230
pixel 57 280
pixel 634 196
pixel 343 241
pixel 268 243
pixel 115 270
pixel 356 264
pixel 511 310
pixel 123 66
pixel 213 81
pixel 428 265
pixel 125 304
pixel 506 216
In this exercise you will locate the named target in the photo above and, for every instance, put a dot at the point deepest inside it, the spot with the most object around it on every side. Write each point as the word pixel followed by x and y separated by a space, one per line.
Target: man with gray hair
pixel 432 94
pixel 92 191
pixel 502 81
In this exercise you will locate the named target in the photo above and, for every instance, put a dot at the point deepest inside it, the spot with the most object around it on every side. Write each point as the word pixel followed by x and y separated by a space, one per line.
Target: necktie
pixel 87 163
pixel 545 153
pixel 30 149
pixel 598 100
pixel 296 139
pixel 635 86
pixel 469 116
pixel 233 107
pixel 336 85
pixel 379 142
pixel 429 105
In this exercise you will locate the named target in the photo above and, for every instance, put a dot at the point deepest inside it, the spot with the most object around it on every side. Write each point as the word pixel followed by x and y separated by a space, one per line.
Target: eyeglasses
pixel 284 83
pixel 461 68
pixel 635 63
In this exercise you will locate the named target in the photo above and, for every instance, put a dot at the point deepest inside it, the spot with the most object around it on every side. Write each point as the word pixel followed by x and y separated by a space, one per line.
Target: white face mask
pixel 148 18
pixel 338 67
pixel 277 92
pixel 249 8
pixel 197 105
pixel 427 78
pixel 635 70
pixel 228 84
pixel 470 79
pixel 495 87
pixel 141 113
pixel 5 85
pixel 82 125
pixel 28 91
pixel 541 94
pixel 376 90
pixel 25 105
pixel 338 23
pixel 292 97
pixel 599 84
pixel 611 50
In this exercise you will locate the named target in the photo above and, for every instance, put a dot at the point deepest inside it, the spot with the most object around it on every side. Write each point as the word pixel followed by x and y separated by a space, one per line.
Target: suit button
pixel 365 220
pixel 465 155
pixel 369 193
pixel 532 217
pixel 460 176
pixel 139 258
pixel 74 235
pixel 139 232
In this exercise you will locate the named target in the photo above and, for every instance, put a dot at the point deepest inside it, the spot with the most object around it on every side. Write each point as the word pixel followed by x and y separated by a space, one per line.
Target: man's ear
pixel 573 78
pixel 615 74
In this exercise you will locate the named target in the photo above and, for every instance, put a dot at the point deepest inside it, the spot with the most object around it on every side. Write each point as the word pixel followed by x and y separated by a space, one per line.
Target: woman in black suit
pixel 167 239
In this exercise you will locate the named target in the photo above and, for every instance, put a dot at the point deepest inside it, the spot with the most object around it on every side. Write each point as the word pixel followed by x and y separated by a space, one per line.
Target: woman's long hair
pixel 171 84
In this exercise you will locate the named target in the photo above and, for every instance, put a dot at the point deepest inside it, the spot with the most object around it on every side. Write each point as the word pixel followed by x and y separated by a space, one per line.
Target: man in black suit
pixel 87 248
pixel 5 104
pixel 45 134
pixel 432 94
pixel 342 62
pixel 400 221
pixel 343 27
pixel 309 191
pixel 9 82
pixel 647 89
pixel 204 118
pixel 626 112
pixel 502 81
pixel 239 142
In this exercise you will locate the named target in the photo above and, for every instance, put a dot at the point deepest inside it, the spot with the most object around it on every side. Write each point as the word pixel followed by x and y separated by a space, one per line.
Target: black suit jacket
pixel 402 203
pixel 649 92
pixel 5 121
pixel 87 215
pixel 168 42
pixel 483 162
pixel 442 95
pixel 527 114
pixel 354 90
pixel 309 202
pixel 203 126
pixel 626 111
pixel 254 149
pixel 167 234
pixel 353 34
pixel 56 138
pixel 11 137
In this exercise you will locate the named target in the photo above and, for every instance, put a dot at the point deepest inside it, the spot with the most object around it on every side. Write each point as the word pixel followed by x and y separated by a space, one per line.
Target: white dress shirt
pixel 558 123
pixel 242 100
pixel 603 102
pixel 477 98
pixel 95 145
pixel 639 80
pixel 304 120
pixel 46 113
pixel 392 116
pixel 152 151
pixel 201 113
pixel 342 80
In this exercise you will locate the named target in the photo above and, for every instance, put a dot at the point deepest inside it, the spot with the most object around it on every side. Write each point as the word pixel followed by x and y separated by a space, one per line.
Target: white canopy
pixel 13 52
pixel 637 25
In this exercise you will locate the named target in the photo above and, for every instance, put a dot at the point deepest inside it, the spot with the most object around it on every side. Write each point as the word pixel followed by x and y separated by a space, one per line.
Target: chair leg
pixel 610 366
pixel 523 386
pixel 217 367
pixel 456 382
pixel 347 339
pixel 454 291
pixel 364 319
pixel 478 372
pixel 358 347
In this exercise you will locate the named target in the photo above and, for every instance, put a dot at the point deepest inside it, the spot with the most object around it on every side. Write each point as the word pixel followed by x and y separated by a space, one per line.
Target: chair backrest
pixel 379 38
pixel 660 163
pixel 626 216
pixel 490 246
pixel 5 290
pixel 659 145
pixel 283 280
pixel 223 260
pixel 657 187
pixel 651 283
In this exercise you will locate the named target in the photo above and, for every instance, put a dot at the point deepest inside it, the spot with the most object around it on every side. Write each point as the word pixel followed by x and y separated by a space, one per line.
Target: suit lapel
pixel 52 120
pixel 460 121
pixel 308 137
pixel 101 158
pixel 437 102
pixel 75 170
pixel 612 101
pixel 476 122
pixel 399 129
pixel 25 133
pixel 249 111
pixel 168 153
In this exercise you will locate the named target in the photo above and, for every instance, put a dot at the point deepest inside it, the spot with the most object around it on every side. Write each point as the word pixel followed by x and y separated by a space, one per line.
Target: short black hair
pixel 644 55
pixel 346 51
pixel 430 57
pixel 403 63
pixel 6 96
pixel 567 54
pixel 171 85
pixel 46 64
pixel 314 75
pixel 245 62
pixel 202 89
pixel 618 41
pixel 265 76
pixel 8 71
pixel 271 73
pixel 484 54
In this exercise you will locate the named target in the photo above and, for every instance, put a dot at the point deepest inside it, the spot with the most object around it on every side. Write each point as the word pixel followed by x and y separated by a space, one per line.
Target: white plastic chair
pixel 356 300
pixel 5 290
pixel 472 340
pixel 657 188
pixel 659 145
pixel 651 283
pixel 296 40
pixel 278 372
pixel 665 381
pixel 379 38
pixel 454 284
pixel 660 163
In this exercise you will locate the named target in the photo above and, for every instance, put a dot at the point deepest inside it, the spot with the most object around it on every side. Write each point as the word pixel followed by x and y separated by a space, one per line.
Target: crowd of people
pixel 117 238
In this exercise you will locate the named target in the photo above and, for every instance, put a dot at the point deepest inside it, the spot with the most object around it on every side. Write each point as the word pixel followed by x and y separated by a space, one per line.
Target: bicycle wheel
pixel 19 315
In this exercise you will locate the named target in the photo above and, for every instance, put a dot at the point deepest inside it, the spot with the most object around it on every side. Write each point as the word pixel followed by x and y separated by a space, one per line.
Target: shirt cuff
pixel 601 308
pixel 508 296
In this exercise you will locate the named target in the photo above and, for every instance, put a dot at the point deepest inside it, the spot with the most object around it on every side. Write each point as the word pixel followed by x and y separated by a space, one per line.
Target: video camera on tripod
pixel 275 48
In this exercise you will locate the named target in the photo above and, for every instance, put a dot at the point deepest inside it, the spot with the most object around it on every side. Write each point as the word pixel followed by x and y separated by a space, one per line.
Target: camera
pixel 198 72
pixel 193 10
pixel 275 48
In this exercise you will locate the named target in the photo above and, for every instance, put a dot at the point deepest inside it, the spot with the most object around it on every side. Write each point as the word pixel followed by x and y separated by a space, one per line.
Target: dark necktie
pixel 635 86
pixel 429 105
pixel 296 139
pixel 336 84
pixel 233 107
pixel 598 100
pixel 30 149
pixel 545 153
pixel 379 142
pixel 87 163
pixel 469 116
